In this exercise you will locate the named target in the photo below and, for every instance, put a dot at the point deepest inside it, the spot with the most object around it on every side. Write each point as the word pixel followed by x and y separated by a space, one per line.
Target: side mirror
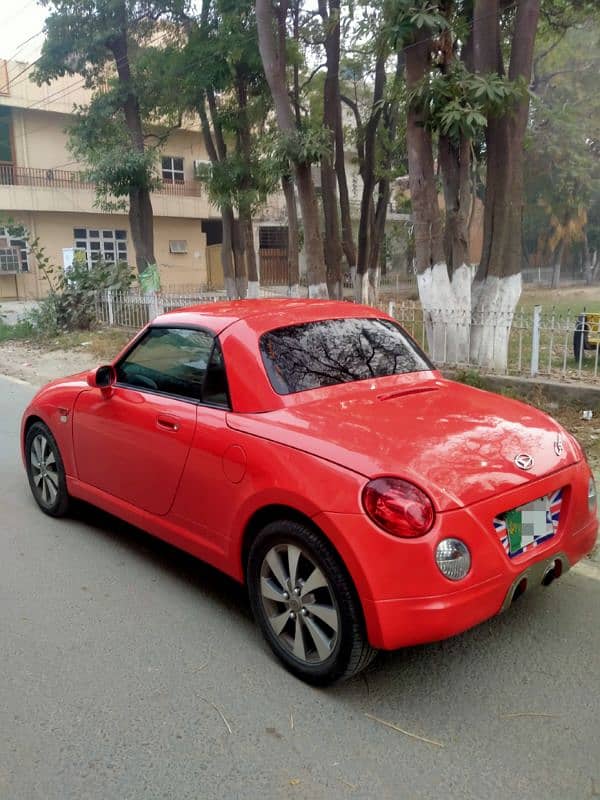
pixel 102 377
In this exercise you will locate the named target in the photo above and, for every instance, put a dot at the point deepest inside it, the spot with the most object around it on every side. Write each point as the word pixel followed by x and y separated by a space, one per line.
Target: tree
pixel 100 40
pixel 372 88
pixel 301 146
pixel 450 107
pixel 562 168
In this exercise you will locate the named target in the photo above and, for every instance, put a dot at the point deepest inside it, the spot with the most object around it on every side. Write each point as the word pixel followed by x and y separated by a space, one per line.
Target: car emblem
pixel 559 447
pixel 524 461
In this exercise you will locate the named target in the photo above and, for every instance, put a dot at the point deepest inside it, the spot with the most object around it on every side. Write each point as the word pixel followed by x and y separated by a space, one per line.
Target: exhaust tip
pixel 519 590
pixel 553 572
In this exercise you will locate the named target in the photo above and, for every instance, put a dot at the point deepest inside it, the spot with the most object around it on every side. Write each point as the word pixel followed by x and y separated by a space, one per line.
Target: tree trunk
pixel 348 244
pixel 273 58
pixel 216 149
pixel 446 300
pixel 498 281
pixel 287 185
pixel 227 253
pixel 248 237
pixel 141 218
pixel 244 146
pixel 377 227
pixel 367 172
pixel 455 163
pixel 331 104
pixel 239 259
pixel 141 222
pixel 588 264
pixel 558 264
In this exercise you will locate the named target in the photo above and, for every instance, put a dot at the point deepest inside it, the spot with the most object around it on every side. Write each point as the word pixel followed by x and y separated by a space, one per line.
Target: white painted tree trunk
pixel 374 277
pixel 447 312
pixel 361 287
pixel 466 322
pixel 494 304
pixel 253 290
pixel 231 289
pixel 294 290
pixel 318 291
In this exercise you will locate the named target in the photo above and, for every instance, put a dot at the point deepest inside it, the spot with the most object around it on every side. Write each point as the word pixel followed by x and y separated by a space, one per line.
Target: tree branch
pixel 311 76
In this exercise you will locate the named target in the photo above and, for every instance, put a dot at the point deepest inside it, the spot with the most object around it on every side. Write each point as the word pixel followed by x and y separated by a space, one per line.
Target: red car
pixel 311 450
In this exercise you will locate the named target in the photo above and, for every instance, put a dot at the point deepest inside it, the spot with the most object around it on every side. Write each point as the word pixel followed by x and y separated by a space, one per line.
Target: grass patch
pixel 18 332
pixel 104 343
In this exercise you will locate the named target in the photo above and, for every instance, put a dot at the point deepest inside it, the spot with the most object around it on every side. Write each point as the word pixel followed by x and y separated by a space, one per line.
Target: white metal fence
pixel 562 345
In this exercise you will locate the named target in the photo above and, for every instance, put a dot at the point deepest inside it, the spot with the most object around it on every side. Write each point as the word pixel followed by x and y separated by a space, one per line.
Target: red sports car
pixel 311 450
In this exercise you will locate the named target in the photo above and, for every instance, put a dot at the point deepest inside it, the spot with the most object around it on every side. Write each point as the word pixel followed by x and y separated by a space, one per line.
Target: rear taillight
pixel 398 507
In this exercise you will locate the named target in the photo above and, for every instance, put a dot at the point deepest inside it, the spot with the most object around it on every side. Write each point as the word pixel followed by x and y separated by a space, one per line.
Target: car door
pixel 133 442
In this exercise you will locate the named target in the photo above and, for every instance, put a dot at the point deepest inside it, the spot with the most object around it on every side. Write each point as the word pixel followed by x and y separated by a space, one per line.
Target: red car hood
pixel 456 442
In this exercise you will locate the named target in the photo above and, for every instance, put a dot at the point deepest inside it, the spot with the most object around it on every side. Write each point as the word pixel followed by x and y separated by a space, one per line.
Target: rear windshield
pixel 332 351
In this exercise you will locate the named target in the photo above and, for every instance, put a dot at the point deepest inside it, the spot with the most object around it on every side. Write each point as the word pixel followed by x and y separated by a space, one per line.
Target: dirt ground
pixel 37 364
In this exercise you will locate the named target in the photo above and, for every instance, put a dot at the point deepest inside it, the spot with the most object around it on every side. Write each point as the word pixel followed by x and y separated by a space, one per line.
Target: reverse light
pixel 592 496
pixel 399 507
pixel 453 558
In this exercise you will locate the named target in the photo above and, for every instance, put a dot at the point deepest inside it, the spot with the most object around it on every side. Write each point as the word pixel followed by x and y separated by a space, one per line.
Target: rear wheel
pixel 45 471
pixel 306 604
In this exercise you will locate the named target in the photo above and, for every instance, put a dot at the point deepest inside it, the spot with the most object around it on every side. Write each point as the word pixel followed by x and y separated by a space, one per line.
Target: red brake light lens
pixel 399 507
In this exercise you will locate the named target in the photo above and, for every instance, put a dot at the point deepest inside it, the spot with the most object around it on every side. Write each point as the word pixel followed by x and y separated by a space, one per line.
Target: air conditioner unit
pixel 178 246
pixel 201 166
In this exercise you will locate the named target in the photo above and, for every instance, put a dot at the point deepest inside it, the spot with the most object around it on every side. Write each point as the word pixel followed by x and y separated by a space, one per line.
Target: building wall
pixel 55 232
pixel 40 140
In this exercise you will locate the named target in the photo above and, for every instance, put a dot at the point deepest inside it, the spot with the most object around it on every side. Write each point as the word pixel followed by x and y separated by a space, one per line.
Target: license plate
pixel 523 528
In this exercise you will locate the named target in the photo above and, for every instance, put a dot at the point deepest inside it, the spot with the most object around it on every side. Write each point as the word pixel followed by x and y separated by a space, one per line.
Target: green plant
pixel 71 303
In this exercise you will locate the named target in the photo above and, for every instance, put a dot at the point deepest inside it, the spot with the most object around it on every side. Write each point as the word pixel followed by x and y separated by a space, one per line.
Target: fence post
pixel 535 340
pixel 111 313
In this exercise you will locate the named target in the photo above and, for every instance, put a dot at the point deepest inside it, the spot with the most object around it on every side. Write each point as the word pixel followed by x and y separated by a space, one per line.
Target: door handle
pixel 168 423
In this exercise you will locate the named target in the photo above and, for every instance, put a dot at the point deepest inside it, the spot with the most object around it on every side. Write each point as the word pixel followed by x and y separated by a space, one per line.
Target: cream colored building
pixel 41 187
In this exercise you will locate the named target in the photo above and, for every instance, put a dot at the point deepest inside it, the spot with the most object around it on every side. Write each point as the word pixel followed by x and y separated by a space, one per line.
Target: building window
pixel 178 246
pixel 273 237
pixel 97 244
pixel 6 151
pixel 172 169
pixel 15 251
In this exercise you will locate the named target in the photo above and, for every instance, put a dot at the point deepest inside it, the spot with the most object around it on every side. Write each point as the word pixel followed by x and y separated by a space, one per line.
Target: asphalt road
pixel 118 656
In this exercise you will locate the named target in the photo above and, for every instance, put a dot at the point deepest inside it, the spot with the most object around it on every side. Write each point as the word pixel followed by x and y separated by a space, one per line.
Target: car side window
pixel 176 361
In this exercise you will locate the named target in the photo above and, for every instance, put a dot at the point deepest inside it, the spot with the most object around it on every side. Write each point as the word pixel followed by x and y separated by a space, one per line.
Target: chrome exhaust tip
pixel 552 572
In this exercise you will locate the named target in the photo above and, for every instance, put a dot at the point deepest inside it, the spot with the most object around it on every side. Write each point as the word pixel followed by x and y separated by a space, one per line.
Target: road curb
pixel 12 379
pixel 588 568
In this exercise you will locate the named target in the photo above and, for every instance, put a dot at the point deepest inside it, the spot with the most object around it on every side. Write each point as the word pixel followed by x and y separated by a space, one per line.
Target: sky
pixel 19 22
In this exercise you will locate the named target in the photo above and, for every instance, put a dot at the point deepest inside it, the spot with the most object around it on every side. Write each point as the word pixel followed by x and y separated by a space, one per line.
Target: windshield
pixel 327 352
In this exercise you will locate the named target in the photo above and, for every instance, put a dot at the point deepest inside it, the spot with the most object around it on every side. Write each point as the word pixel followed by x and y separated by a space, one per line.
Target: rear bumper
pixel 399 623
pixel 404 596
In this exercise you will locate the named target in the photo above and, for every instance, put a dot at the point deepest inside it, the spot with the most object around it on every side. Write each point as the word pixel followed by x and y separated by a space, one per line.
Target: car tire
pixel 45 471
pixel 305 604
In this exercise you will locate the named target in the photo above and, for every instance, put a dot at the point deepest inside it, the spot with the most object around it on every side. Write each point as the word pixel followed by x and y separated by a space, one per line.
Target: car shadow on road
pixel 522 641
pixel 166 558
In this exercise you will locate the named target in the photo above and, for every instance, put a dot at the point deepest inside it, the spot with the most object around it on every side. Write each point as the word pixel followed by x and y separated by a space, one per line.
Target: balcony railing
pixel 11 175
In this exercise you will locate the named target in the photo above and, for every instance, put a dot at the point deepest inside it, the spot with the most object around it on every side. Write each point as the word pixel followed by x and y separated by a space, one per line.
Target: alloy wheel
pixel 44 469
pixel 299 603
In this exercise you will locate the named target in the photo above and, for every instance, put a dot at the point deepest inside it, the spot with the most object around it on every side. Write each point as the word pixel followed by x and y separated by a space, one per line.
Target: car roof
pixel 263 314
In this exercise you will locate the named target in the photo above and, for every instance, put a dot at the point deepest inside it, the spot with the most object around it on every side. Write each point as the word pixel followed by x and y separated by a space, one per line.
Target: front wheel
pixel 45 471
pixel 306 605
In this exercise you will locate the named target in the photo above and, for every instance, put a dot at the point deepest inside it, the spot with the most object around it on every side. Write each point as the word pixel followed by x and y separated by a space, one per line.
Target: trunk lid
pixel 457 443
